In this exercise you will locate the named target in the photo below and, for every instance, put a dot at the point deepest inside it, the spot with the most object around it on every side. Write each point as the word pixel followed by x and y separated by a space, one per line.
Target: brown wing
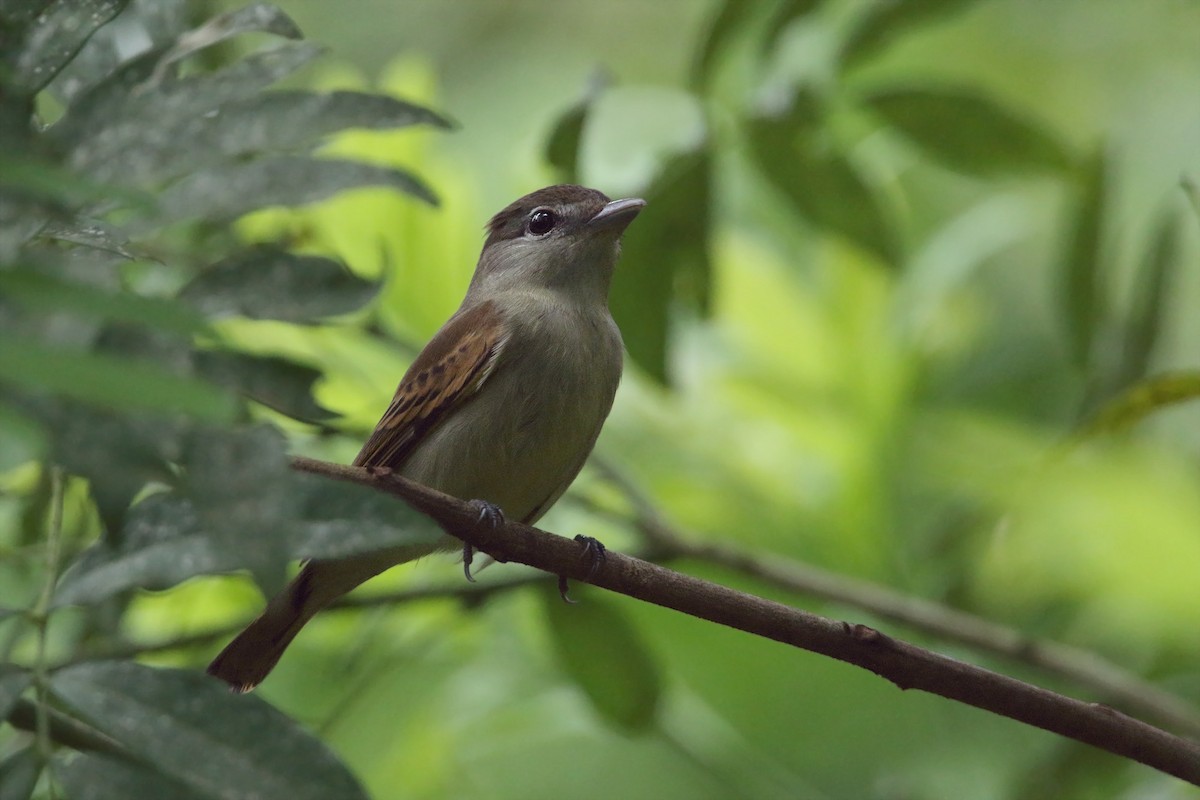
pixel 449 370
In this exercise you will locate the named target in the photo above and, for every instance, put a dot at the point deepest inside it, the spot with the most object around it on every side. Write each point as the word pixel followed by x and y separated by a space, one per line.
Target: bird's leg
pixel 593 552
pixel 490 514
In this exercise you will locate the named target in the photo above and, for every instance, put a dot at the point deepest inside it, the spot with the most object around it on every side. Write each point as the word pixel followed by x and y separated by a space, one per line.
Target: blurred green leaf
pixel 89 233
pixel 602 652
pixel 19 772
pixel 87 776
pixel 111 382
pixel 275 382
pixel 887 20
pixel 51 34
pixel 562 147
pixel 1141 400
pixel 787 13
pixel 195 732
pixel 665 251
pixel 968 131
pixel 253 18
pixel 21 439
pixel 13 681
pixel 823 185
pixel 727 23
pixel 36 290
pixel 223 194
pixel 1147 309
pixel 270 283
pixel 1081 298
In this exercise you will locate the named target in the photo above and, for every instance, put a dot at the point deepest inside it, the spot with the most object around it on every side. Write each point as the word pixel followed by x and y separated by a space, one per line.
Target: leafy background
pixel 912 302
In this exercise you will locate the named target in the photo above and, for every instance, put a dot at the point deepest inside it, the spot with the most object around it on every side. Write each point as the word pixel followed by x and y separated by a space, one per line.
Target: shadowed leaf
pixel 19 773
pixel 1080 298
pixel 275 382
pixel 51 34
pixel 1147 310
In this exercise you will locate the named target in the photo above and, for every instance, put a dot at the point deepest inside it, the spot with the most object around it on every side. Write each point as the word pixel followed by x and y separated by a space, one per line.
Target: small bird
pixel 503 405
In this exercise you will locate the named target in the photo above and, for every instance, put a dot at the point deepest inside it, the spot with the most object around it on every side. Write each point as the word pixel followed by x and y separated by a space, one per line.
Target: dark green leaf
pixel 129 109
pixel 1147 310
pixel 277 383
pixel 254 18
pixel 665 253
pixel 111 382
pixel 969 132
pixel 21 439
pixel 269 283
pixel 19 773
pixel 13 681
pixel 87 776
pixel 58 30
pixel 39 291
pixel 225 193
pixel 823 185
pixel 562 147
pixel 602 652
pixel 727 23
pixel 788 12
pixel 1081 297
pixel 273 121
pixel 886 20
pixel 88 233
pixel 195 732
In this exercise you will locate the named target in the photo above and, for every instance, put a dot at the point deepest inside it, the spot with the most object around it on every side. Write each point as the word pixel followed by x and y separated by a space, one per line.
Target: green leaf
pixel 788 12
pixel 665 253
pixel 86 776
pixel 195 732
pixel 19 773
pixel 1081 297
pixel 254 18
pixel 728 22
pixel 55 33
pixel 91 233
pixel 273 381
pixel 21 439
pixel 1147 310
pixel 110 382
pixel 969 132
pixel 887 20
pixel 562 146
pixel 602 652
pixel 1143 399
pixel 273 121
pixel 223 194
pixel 41 292
pixel 822 184
pixel 13 681
pixel 127 108
pixel 269 283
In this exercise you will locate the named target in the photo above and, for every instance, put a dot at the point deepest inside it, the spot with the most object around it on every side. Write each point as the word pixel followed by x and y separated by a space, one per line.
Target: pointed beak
pixel 616 215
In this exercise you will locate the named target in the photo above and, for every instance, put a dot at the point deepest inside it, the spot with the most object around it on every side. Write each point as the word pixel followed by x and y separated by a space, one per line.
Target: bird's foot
pixel 490 515
pixel 593 552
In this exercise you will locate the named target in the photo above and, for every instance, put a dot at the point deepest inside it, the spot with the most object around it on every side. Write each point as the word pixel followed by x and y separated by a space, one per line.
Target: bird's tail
pixel 253 653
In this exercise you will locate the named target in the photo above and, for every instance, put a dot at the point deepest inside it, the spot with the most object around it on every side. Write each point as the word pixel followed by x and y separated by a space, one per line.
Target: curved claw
pixel 489 514
pixel 593 551
pixel 468 555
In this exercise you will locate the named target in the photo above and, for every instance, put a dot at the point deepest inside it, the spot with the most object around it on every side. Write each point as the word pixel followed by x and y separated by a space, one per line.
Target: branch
pixel 1084 668
pixel 907 666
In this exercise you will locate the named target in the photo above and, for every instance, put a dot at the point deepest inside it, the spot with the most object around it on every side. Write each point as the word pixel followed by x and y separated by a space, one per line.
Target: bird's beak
pixel 616 215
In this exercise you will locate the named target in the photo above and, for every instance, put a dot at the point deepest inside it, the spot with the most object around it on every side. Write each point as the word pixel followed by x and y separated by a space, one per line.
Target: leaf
pixel 1141 400
pixel 254 18
pixel 19 773
pixel 223 194
pixel 666 249
pixel 13 681
pixel 55 33
pixel 823 185
pixel 273 381
pixel 1147 309
pixel 87 776
pixel 272 121
pixel 195 732
pixel 562 146
pixel 887 20
pixel 601 651
pixel 110 382
pixel 21 439
pixel 270 283
pixel 46 293
pixel 1080 296
pixel 91 233
pixel 969 132
pixel 127 108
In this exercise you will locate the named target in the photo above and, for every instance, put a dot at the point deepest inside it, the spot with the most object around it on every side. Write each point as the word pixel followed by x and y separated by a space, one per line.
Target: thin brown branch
pixel 907 666
pixel 1115 685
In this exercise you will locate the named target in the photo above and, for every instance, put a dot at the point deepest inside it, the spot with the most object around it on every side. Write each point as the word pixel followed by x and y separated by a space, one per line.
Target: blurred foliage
pixel 913 299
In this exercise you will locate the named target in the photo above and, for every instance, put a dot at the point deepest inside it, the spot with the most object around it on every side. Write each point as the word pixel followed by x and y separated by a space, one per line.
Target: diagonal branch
pixel 1109 681
pixel 907 666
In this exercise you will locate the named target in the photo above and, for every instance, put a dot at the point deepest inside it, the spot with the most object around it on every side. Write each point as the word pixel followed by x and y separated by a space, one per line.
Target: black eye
pixel 542 222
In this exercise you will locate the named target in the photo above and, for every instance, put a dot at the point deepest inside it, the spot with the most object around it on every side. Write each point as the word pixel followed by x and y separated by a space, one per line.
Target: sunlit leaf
pixel 195 732
pixel 269 283
pixel 602 652
pixel 275 382
pixel 1081 299
pixel 887 20
pixel 223 194
pixel 968 131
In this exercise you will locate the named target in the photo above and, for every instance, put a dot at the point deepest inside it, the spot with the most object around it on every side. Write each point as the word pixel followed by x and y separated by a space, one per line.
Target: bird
pixel 503 405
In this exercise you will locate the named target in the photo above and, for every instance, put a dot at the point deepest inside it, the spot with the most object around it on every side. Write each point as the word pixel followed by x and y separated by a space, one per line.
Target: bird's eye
pixel 542 222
